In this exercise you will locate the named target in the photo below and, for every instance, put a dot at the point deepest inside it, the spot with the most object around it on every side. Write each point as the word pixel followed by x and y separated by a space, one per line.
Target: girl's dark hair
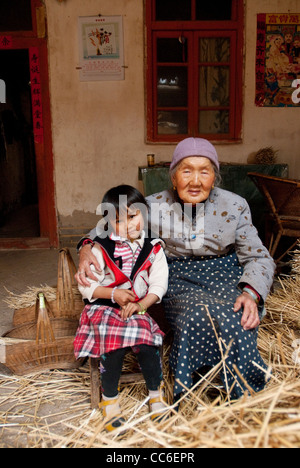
pixel 121 198
pixel 133 197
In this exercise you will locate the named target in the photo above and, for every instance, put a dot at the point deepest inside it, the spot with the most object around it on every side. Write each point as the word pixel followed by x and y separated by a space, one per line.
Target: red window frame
pixel 193 30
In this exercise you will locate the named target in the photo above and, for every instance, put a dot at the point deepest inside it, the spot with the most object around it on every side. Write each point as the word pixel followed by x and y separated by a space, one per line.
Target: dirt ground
pixel 20 269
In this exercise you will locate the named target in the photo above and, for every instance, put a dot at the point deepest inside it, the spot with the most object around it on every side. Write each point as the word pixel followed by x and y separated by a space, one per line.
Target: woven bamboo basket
pixel 46 343
pixel 25 357
pixel 61 328
pixel 68 302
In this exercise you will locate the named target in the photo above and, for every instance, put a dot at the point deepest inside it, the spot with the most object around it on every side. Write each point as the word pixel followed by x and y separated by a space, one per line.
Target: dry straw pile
pixel 52 409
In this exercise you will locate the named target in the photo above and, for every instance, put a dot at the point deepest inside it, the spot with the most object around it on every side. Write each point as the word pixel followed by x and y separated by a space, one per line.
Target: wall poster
pixel 101 48
pixel 278 60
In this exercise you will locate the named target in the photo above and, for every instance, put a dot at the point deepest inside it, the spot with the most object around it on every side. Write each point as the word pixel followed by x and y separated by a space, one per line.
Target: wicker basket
pixel 46 343
pixel 25 356
pixel 68 303
pixel 27 314
pixel 61 328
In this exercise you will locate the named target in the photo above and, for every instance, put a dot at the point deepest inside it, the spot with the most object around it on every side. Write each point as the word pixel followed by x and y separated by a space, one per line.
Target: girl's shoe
pixel 116 420
pixel 158 406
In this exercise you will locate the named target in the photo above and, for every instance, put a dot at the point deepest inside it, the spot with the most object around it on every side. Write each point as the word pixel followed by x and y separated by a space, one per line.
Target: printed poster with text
pixel 101 48
pixel 278 60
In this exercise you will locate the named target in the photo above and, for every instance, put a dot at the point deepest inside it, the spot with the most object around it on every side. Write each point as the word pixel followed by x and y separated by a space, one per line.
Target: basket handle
pixel 46 347
pixel 65 281
pixel 44 332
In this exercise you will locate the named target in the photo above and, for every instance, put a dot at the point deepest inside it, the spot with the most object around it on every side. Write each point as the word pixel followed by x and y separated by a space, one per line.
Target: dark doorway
pixel 19 211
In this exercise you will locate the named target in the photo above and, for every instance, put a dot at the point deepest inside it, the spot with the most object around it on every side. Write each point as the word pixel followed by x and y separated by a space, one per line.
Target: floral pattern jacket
pixel 217 227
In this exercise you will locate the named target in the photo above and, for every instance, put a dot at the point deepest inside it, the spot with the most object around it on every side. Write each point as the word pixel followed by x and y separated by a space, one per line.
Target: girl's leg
pixel 111 369
pixel 150 363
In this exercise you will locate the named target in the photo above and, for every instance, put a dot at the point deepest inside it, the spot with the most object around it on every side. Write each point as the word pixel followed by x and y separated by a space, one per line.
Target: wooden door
pixel 24 57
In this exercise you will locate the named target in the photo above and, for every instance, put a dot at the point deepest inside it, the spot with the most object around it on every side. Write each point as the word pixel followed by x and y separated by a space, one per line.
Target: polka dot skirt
pixel 199 306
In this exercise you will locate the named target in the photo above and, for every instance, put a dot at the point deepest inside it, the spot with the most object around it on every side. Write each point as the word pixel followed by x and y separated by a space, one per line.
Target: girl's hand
pixel 250 317
pixel 123 297
pixel 130 309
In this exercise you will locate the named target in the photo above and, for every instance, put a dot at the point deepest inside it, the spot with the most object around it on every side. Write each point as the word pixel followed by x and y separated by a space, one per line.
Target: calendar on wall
pixel 101 48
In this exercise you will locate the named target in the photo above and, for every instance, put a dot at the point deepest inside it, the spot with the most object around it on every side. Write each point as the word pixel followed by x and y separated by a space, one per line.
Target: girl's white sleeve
pixel 159 276
pixel 87 292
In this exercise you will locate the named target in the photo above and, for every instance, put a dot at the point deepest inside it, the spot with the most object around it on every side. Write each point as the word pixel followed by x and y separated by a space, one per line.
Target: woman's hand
pixel 86 258
pixel 250 317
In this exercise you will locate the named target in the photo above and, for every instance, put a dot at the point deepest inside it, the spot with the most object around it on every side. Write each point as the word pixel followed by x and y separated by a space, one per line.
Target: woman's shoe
pixel 116 420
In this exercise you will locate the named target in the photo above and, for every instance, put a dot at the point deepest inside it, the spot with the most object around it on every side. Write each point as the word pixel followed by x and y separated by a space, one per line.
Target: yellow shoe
pixel 159 412
pixel 115 421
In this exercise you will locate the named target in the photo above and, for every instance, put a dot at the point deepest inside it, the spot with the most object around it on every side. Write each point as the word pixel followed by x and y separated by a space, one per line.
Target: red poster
pixel 278 60
pixel 36 95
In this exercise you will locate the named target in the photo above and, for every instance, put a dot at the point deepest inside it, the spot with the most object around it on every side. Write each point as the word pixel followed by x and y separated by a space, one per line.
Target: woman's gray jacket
pixel 220 225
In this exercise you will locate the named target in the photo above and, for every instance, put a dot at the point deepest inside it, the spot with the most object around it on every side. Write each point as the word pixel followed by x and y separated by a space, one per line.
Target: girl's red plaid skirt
pixel 101 330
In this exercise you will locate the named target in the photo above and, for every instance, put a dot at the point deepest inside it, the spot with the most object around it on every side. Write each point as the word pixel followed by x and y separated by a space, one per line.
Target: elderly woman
pixel 219 272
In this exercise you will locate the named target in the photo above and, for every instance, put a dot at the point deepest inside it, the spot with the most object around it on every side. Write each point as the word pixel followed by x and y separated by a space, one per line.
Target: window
pixel 15 15
pixel 194 69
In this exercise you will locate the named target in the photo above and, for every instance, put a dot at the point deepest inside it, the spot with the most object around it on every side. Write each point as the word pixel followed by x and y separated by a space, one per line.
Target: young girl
pixel 133 276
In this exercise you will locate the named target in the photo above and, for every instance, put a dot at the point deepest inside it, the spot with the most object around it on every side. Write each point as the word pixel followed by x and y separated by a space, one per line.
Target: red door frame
pixel 43 147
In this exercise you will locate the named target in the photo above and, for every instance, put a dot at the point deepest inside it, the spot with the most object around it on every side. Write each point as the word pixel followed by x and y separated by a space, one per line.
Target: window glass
pixel 213 122
pixel 214 49
pixel 172 122
pixel 15 15
pixel 172 50
pixel 214 86
pixel 173 10
pixel 172 87
pixel 218 10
